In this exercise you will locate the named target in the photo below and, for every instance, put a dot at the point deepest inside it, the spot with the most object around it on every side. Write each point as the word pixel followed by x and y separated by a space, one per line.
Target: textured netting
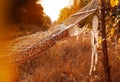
pixel 27 47
pixel 82 13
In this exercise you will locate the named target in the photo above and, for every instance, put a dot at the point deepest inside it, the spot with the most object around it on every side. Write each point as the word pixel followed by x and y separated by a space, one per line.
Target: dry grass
pixel 67 61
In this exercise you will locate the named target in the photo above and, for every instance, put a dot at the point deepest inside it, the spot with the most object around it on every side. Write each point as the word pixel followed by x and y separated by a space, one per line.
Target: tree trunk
pixel 104 44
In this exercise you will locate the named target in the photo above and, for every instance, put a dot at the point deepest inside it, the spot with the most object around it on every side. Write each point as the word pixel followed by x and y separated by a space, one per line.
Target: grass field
pixel 68 61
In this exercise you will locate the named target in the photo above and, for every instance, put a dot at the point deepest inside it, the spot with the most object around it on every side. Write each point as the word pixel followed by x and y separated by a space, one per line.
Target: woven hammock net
pixel 28 47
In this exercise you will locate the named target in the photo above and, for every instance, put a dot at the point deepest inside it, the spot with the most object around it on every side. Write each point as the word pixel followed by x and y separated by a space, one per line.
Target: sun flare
pixel 52 7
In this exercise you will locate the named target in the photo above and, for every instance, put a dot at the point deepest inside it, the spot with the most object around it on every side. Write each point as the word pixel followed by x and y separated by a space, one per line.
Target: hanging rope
pixel 94 42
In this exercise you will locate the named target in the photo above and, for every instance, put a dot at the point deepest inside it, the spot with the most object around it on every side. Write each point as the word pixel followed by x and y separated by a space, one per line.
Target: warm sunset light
pixel 52 7
pixel 8 73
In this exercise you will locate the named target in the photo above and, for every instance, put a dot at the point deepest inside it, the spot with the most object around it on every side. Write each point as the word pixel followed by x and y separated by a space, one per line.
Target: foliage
pixel 25 17
pixel 68 11
pixel 114 3
pixel 27 12
pixel 112 18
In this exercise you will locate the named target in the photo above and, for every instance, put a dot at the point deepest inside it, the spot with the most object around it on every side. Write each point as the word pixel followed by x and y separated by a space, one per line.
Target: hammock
pixel 28 47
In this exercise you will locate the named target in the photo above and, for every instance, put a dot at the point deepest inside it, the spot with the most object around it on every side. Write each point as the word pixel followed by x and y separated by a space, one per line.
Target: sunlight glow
pixel 52 7
pixel 8 73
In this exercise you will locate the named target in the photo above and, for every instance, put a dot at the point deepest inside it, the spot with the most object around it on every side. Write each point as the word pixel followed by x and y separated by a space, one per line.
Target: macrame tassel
pixel 94 42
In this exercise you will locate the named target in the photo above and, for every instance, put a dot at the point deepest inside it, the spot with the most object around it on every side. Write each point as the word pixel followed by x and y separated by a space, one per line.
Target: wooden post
pixel 104 44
